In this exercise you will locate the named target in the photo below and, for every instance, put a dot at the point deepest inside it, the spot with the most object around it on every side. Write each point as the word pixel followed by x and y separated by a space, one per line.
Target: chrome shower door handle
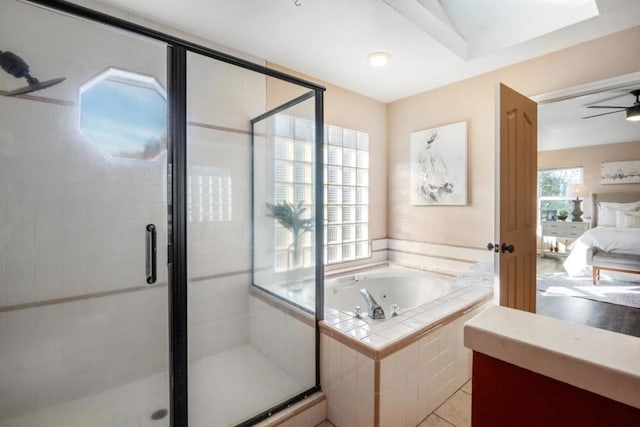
pixel 151 261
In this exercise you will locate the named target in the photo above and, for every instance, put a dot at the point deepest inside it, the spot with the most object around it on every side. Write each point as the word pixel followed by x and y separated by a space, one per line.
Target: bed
pixel 609 245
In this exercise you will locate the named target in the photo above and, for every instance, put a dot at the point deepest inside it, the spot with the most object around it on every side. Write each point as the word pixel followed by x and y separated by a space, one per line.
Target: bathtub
pixel 417 356
pixel 388 285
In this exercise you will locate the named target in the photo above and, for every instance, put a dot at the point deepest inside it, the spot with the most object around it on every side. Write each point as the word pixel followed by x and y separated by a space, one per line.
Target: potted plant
pixel 289 216
pixel 563 214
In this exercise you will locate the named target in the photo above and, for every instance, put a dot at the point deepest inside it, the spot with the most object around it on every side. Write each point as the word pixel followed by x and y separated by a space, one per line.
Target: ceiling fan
pixel 633 111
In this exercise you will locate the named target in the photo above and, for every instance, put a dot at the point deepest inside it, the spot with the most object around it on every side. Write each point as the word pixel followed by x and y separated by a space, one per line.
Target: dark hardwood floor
pixel 613 317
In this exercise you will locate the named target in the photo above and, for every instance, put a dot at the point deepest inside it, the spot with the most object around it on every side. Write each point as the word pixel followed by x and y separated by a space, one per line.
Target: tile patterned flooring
pixel 455 412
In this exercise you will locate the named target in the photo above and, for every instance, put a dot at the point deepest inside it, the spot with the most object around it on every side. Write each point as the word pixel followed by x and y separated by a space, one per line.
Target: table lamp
pixel 578 191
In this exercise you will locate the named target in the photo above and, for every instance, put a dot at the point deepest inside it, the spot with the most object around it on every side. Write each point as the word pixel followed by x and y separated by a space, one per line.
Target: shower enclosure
pixel 285 262
pixel 144 279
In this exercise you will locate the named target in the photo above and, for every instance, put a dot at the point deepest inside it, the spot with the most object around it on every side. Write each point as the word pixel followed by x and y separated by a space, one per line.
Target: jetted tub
pixel 388 285
pixel 426 336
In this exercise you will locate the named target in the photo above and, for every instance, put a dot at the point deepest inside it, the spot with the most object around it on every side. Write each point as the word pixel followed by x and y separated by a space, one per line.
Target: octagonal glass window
pixel 125 114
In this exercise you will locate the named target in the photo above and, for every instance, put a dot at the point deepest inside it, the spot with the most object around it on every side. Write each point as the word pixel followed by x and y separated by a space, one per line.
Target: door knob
pixel 493 247
pixel 507 248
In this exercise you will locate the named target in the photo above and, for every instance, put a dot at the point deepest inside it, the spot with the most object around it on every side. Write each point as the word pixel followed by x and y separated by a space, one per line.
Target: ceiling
pixel 560 124
pixel 432 42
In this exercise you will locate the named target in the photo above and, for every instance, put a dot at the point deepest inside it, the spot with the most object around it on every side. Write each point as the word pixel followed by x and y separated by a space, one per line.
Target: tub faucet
pixel 375 311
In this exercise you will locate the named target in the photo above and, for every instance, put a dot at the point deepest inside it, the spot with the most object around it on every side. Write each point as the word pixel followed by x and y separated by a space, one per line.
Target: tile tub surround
pixel 468 289
pixel 436 257
pixel 591 359
pixel 404 367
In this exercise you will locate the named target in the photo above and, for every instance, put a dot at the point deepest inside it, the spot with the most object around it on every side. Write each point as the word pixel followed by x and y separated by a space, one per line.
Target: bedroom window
pixel 552 191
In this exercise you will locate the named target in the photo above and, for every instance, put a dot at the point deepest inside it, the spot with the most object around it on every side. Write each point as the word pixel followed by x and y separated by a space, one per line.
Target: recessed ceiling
pixel 560 124
pixel 432 42
pixel 492 25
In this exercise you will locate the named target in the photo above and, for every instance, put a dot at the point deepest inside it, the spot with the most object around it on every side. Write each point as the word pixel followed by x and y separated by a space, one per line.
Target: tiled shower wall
pixel 287 341
pixel 221 99
pixel 72 215
pixel 73 299
pixel 73 225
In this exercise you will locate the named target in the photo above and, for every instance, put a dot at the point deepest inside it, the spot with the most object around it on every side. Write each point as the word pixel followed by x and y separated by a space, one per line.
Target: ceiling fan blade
pixel 620 94
pixel 603 114
pixel 606 106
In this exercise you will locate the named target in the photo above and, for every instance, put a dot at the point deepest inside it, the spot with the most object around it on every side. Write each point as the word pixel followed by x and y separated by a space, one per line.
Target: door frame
pixel 177 204
pixel 616 82
pixel 587 88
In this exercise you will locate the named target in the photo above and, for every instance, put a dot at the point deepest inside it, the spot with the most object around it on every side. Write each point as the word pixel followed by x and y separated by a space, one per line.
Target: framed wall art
pixel 439 165
pixel 623 172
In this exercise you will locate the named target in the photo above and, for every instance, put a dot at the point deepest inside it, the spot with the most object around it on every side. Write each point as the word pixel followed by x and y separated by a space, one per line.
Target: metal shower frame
pixel 177 191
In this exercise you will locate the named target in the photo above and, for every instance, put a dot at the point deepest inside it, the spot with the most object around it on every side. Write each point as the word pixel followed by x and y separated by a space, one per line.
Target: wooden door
pixel 516 189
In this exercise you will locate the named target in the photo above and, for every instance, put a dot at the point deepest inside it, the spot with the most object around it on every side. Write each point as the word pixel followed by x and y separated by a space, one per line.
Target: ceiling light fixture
pixel 379 59
pixel 633 113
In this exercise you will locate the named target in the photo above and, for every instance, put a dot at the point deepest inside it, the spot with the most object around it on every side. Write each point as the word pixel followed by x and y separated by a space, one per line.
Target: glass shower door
pixel 83 224
pixel 249 351
pixel 285 210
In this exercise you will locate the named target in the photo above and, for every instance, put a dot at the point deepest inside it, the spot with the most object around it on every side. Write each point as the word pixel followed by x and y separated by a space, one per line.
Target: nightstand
pixel 568 230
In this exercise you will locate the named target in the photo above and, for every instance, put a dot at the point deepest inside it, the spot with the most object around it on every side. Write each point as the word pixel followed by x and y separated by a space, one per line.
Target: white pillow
pixel 628 219
pixel 607 211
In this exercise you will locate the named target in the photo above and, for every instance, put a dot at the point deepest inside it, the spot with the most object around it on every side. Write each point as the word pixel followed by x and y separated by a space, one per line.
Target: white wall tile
pixel 412 397
pixel 310 417
pixel 436 257
pixel 365 405
pixel 386 408
pixel 76 227
pixel 365 373
pixel 379 244
pixel 414 380
pixel 287 342
pixel 386 373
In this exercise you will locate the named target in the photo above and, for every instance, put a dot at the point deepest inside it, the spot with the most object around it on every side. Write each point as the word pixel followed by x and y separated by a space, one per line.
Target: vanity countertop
pixel 600 361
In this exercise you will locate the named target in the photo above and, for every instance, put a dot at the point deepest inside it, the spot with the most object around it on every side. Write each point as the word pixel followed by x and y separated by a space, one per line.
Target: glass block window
pixel 209 194
pixel 293 183
pixel 346 194
pixel 346 188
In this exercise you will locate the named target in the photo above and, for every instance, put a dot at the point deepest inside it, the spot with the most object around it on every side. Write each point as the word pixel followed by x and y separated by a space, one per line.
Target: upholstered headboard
pixel 627 196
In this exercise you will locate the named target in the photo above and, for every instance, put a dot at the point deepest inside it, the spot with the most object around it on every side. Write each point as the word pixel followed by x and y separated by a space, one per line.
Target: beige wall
pixel 473 100
pixel 590 158
pixel 350 110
